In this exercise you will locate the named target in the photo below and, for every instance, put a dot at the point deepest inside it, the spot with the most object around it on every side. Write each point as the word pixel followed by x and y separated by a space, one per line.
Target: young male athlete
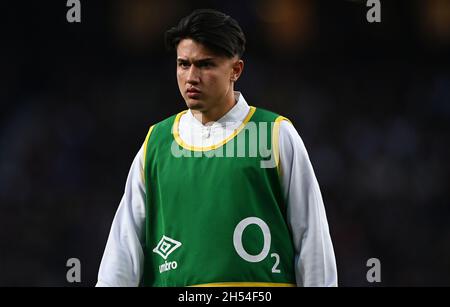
pixel 222 194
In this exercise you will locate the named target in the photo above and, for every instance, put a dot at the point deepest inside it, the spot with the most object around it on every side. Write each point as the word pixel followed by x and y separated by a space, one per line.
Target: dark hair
pixel 215 30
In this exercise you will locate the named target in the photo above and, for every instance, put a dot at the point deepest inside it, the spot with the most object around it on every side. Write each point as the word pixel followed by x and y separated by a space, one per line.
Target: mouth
pixel 193 92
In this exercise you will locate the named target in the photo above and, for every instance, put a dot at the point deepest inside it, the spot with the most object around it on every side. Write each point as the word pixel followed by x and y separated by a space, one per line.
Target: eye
pixel 183 64
pixel 206 64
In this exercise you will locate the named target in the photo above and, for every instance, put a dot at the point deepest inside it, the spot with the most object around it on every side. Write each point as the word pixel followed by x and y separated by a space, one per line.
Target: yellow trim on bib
pixel 180 142
pixel 276 141
pixel 245 284
pixel 145 151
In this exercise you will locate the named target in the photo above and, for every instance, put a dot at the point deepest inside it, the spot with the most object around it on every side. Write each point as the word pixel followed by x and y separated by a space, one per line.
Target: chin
pixel 194 104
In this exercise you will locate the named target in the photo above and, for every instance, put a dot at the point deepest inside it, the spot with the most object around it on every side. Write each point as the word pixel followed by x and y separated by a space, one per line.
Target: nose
pixel 193 75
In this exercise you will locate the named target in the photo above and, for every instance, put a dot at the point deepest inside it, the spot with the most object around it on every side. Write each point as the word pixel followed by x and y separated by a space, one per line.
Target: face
pixel 205 79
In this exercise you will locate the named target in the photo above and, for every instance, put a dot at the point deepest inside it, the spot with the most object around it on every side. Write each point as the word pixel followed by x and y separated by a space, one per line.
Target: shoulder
pixel 290 139
pixel 163 127
pixel 169 120
pixel 271 116
pixel 165 123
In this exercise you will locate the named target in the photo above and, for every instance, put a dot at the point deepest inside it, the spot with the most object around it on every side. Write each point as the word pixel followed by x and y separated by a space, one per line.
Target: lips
pixel 193 92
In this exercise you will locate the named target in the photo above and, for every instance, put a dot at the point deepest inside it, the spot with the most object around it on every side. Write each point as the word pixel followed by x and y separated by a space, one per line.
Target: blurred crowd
pixel 371 102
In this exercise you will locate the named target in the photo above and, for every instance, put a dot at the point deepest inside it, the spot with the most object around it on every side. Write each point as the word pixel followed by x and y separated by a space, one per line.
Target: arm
pixel 123 259
pixel 315 263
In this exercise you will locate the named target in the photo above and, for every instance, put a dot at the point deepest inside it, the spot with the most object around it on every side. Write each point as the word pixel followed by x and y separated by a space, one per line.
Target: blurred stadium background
pixel 371 102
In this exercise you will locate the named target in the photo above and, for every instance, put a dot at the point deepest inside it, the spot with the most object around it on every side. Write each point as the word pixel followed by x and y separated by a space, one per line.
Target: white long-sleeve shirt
pixel 315 265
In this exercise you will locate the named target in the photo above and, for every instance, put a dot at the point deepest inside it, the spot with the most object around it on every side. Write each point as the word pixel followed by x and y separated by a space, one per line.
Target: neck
pixel 215 113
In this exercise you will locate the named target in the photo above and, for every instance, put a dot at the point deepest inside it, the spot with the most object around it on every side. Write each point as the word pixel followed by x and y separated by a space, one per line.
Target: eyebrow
pixel 200 61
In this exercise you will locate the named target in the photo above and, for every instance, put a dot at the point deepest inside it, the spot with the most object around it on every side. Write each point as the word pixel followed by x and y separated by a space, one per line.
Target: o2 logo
pixel 237 242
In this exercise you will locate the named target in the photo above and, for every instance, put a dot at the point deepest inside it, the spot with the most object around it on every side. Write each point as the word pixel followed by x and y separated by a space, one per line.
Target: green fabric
pixel 199 201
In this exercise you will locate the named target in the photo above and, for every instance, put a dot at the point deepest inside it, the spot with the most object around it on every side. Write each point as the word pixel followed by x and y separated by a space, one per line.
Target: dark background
pixel 371 102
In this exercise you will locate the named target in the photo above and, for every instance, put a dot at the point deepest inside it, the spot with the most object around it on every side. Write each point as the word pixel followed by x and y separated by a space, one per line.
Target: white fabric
pixel 315 265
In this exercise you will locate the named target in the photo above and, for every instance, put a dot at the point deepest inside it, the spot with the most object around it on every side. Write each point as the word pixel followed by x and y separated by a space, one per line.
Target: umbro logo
pixel 166 246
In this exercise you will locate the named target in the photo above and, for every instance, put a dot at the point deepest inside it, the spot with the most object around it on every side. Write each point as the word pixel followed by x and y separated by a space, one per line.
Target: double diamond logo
pixel 166 246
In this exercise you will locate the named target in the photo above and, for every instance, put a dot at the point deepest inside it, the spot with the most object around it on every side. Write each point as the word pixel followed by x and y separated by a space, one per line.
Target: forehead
pixel 190 49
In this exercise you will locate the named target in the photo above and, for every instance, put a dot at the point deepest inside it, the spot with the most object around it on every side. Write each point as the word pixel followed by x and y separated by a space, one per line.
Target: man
pixel 204 203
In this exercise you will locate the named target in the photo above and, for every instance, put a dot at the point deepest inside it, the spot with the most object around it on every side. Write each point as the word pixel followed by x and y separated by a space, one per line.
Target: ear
pixel 237 68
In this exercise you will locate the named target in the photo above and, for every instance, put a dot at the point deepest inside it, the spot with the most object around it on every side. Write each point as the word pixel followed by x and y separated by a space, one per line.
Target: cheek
pixel 222 82
pixel 218 80
pixel 180 77
pixel 181 83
